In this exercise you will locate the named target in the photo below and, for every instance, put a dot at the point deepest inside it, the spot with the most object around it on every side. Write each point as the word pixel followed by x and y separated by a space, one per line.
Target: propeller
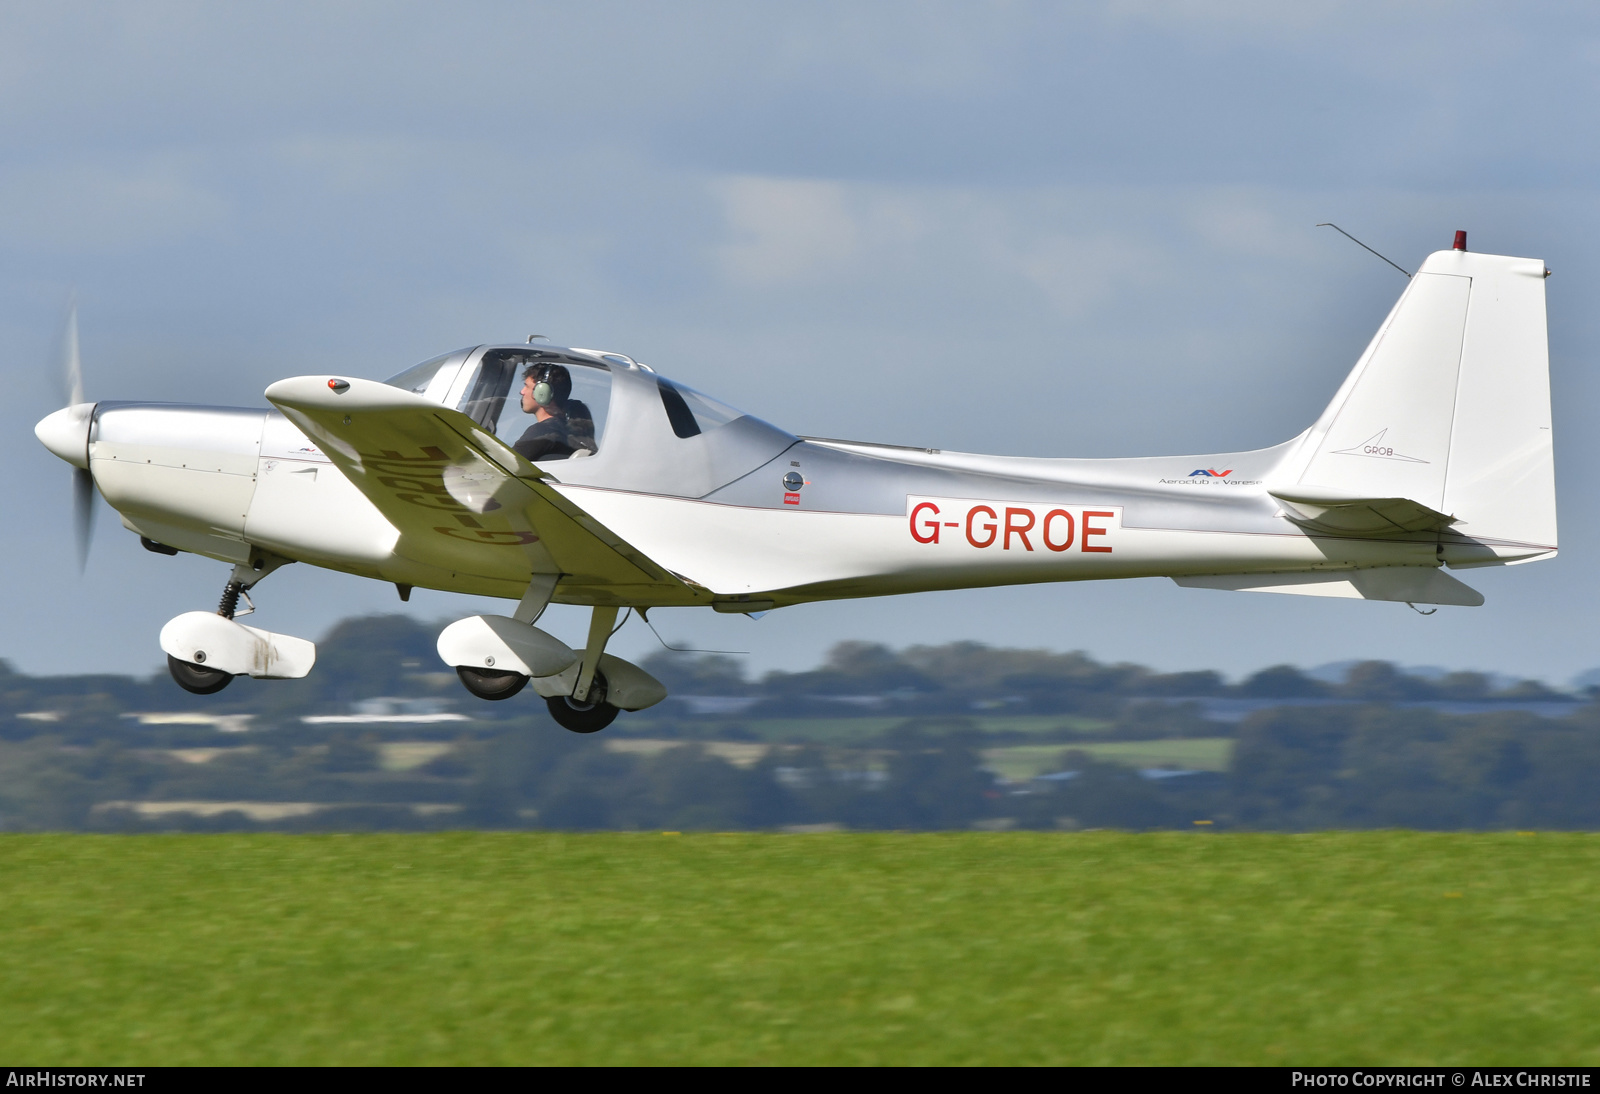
pixel 71 364
pixel 82 513
pixel 66 433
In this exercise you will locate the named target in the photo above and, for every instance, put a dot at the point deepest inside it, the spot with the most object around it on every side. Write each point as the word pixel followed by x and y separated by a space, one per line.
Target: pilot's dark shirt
pixel 558 436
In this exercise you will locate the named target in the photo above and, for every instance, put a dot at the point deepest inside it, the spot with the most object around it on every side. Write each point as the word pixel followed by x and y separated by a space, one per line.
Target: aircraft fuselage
pixel 851 520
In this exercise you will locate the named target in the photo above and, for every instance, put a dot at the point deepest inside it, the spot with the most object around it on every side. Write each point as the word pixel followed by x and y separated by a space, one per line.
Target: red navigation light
pixel 339 386
pixel 1461 241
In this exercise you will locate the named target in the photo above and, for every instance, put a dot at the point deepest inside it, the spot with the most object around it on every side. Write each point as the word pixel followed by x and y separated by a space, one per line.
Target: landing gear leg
pixel 229 604
pixel 585 710
pixel 540 589
pixel 246 576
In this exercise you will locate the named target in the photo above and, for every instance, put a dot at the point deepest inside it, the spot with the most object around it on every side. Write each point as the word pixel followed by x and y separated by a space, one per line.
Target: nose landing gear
pixel 195 676
pixel 206 651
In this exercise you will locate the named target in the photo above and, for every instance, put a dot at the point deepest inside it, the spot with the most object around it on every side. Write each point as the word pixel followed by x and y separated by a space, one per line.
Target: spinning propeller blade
pixel 71 377
pixel 71 365
pixel 82 513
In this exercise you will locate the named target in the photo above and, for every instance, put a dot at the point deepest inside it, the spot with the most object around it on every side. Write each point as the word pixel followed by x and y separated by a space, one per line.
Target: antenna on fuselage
pixel 644 615
pixel 531 337
pixel 1358 243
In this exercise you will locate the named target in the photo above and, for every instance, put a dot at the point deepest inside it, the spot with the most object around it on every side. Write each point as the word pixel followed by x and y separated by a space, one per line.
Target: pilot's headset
pixel 547 383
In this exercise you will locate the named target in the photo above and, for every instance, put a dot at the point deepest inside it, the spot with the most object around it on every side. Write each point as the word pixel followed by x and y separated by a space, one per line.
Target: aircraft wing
pixel 461 498
pixel 1323 510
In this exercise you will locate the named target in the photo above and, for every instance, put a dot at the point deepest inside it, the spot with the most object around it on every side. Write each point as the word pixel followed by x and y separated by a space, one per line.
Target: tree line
pixel 70 760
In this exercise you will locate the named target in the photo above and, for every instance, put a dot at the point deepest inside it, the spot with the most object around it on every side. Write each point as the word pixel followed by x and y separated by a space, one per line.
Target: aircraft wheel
pixel 491 683
pixel 197 678
pixel 583 717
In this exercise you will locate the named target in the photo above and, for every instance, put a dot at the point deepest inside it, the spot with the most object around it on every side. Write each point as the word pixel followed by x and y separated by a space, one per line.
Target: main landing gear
pixel 492 684
pixel 589 716
pixel 586 717
pixel 585 710
pixel 497 656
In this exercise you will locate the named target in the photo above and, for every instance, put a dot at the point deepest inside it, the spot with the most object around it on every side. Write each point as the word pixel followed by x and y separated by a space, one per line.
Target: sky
pixel 1038 229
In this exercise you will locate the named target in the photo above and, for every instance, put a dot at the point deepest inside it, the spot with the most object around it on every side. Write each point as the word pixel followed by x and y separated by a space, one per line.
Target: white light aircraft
pixel 542 474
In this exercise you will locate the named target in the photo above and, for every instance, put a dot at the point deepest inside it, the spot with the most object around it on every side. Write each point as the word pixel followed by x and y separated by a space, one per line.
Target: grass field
pixel 1194 753
pixel 849 948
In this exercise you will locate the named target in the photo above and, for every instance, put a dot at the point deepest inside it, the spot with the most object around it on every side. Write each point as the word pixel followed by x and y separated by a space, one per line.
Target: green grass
pixel 1016 948
pixel 1194 753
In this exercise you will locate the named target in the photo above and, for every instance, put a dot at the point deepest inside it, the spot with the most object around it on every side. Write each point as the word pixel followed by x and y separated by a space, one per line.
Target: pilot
pixel 562 426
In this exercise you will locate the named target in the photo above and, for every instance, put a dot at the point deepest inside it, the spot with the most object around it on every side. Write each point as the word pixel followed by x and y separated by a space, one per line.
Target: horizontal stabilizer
pixel 1323 510
pixel 1407 584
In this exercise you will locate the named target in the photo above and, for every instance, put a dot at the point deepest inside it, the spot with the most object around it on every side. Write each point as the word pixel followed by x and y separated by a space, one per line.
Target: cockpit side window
pixel 569 421
pixel 678 412
pixel 486 395
pixel 692 413
pixel 417 378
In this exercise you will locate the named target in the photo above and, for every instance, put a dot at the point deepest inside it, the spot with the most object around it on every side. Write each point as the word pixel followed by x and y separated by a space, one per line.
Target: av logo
pixel 1209 473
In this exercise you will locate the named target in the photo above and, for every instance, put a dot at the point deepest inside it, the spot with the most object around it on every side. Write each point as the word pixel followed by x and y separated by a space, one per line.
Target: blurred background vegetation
pixel 931 737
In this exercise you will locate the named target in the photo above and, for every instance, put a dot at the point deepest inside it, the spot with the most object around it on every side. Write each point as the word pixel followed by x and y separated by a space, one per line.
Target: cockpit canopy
pixel 568 423
pixel 614 422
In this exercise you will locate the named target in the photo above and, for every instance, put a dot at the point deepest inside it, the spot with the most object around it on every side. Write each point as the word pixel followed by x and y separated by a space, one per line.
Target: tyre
pixel 583 717
pixel 197 678
pixel 491 683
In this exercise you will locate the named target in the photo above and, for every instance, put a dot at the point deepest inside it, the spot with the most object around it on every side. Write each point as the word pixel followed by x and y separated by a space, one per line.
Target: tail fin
pixel 1449 407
